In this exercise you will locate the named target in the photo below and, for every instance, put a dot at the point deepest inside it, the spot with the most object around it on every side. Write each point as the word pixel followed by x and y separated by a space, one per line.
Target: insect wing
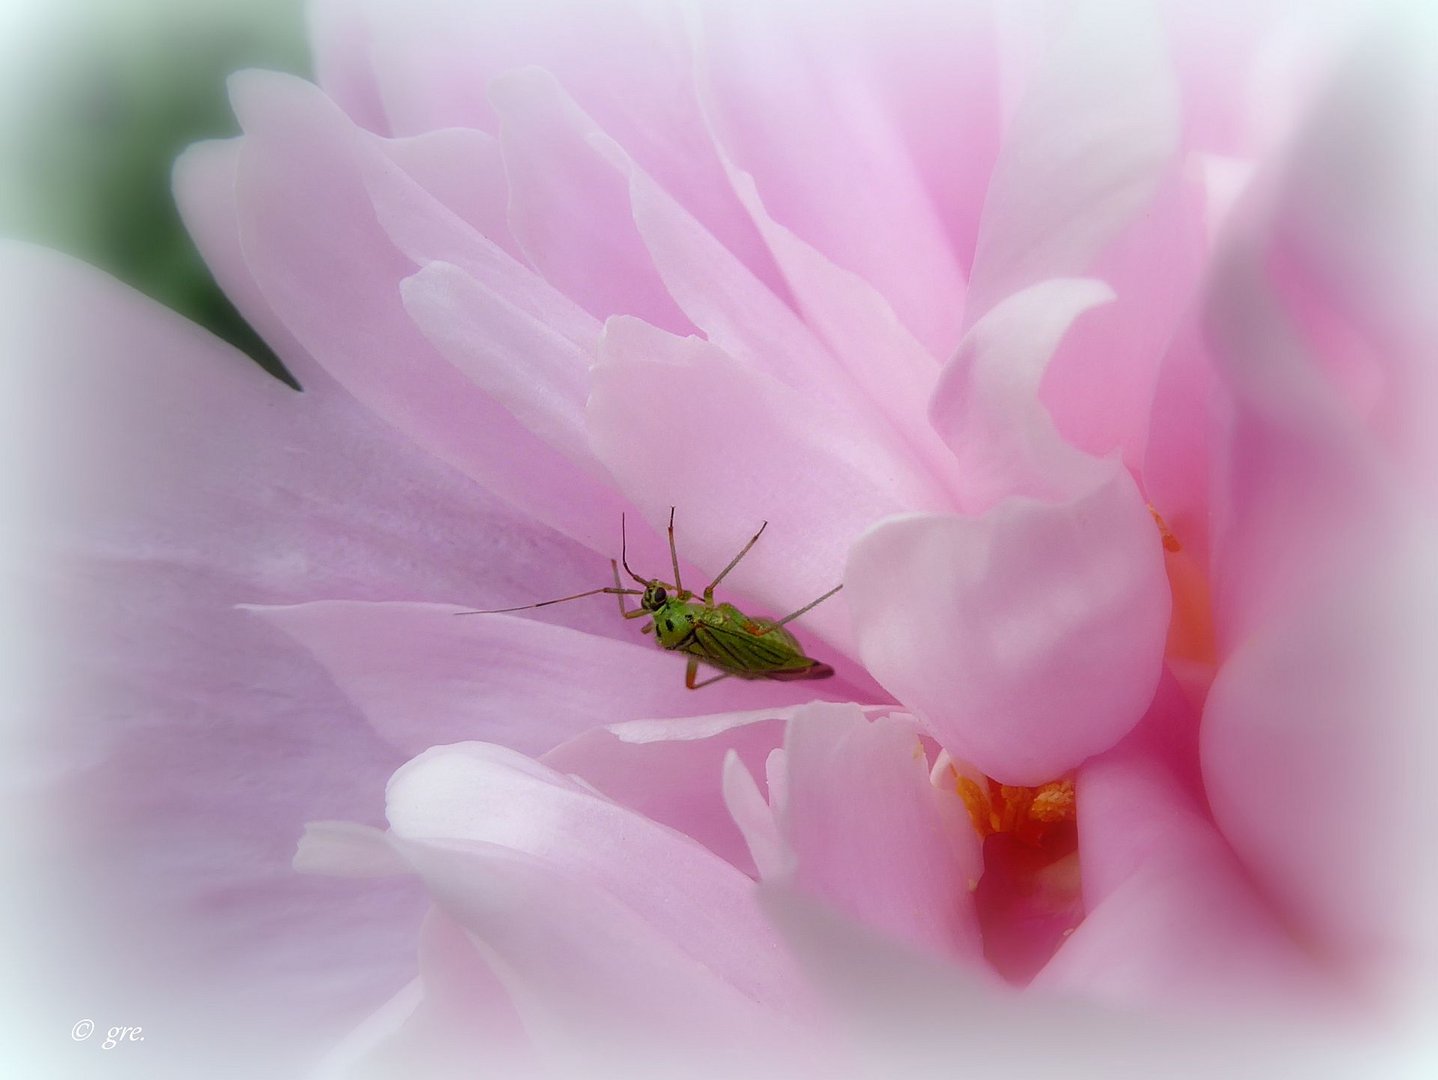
pixel 749 648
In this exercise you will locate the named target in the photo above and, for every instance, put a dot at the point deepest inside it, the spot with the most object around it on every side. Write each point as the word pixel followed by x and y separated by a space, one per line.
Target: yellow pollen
pixel 1053 802
pixel 1028 813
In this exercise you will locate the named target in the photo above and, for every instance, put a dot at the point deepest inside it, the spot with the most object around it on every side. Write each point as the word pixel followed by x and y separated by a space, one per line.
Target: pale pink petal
pixel 756 451
pixel 586 971
pixel 898 1013
pixel 795 108
pixel 1325 572
pixel 596 914
pixel 1177 936
pixel 569 208
pixel 1099 386
pixel 327 269
pixel 422 675
pixel 1176 465
pixel 627 65
pixel 456 1017
pixel 1317 736
pixel 204 179
pixel 1082 155
pixel 1155 767
pixel 866 832
pixel 346 849
pixel 754 817
pixel 182 750
pixel 435 59
pixel 427 230
pixel 986 405
pixel 1027 638
pixel 341 44
pixel 675 780
pixel 1353 244
pixel 464 170
pixel 720 295
pixel 205 184
pixel 926 53
pixel 522 362
pixel 706 727
pixel 740 314
pixel 882 359
pixel 1172 921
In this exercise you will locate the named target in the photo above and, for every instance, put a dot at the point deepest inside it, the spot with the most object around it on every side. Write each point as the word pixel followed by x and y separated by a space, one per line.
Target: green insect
pixel 719 635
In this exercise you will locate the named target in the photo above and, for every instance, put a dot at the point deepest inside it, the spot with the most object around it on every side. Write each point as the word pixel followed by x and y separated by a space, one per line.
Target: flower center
pixel 1028 898
pixel 1031 815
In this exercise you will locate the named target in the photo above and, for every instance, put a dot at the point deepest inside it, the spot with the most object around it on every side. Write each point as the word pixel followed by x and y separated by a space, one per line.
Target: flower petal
pixel 1101 113
pixel 524 363
pixel 866 832
pixel 346 849
pixel 895 1015
pixel 569 208
pixel 1027 638
pixel 341 43
pixel 676 780
pixel 205 178
pixel 598 915
pixel 1173 922
pixel 793 109
pixel 880 387
pixel 1099 386
pixel 421 676
pixel 1318 731
pixel 327 268
pixel 765 453
pixel 455 1015
pixel 180 747
pixel 986 405
pixel 464 170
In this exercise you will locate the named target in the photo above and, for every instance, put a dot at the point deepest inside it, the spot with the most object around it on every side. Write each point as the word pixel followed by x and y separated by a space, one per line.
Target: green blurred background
pixel 99 96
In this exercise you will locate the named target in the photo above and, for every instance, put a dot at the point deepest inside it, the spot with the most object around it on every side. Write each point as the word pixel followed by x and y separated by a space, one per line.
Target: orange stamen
pixel 1170 542
pixel 1029 814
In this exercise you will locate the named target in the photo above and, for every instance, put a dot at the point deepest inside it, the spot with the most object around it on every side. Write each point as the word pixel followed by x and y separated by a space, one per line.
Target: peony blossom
pixel 1089 349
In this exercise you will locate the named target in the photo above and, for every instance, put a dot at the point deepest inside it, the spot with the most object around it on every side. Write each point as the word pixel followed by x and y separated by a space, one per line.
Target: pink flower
pixel 1093 354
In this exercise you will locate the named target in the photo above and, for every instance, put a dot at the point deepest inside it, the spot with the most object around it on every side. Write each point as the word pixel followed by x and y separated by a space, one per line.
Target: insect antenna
pixel 560 600
pixel 624 552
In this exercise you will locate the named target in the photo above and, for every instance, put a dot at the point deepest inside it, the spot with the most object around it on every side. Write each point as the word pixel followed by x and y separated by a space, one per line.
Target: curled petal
pixel 986 405
pixel 1027 638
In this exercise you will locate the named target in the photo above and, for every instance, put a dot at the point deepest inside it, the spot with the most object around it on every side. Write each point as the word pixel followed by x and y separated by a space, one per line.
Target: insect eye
pixel 660 596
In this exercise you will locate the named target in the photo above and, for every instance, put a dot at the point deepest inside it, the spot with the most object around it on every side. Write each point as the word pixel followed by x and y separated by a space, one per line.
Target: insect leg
pixel 618 585
pixel 809 606
pixel 674 558
pixel 692 669
pixel 637 613
pixel 709 592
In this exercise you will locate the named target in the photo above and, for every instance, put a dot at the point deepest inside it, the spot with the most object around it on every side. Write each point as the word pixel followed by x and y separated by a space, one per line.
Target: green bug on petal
pixel 719 635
